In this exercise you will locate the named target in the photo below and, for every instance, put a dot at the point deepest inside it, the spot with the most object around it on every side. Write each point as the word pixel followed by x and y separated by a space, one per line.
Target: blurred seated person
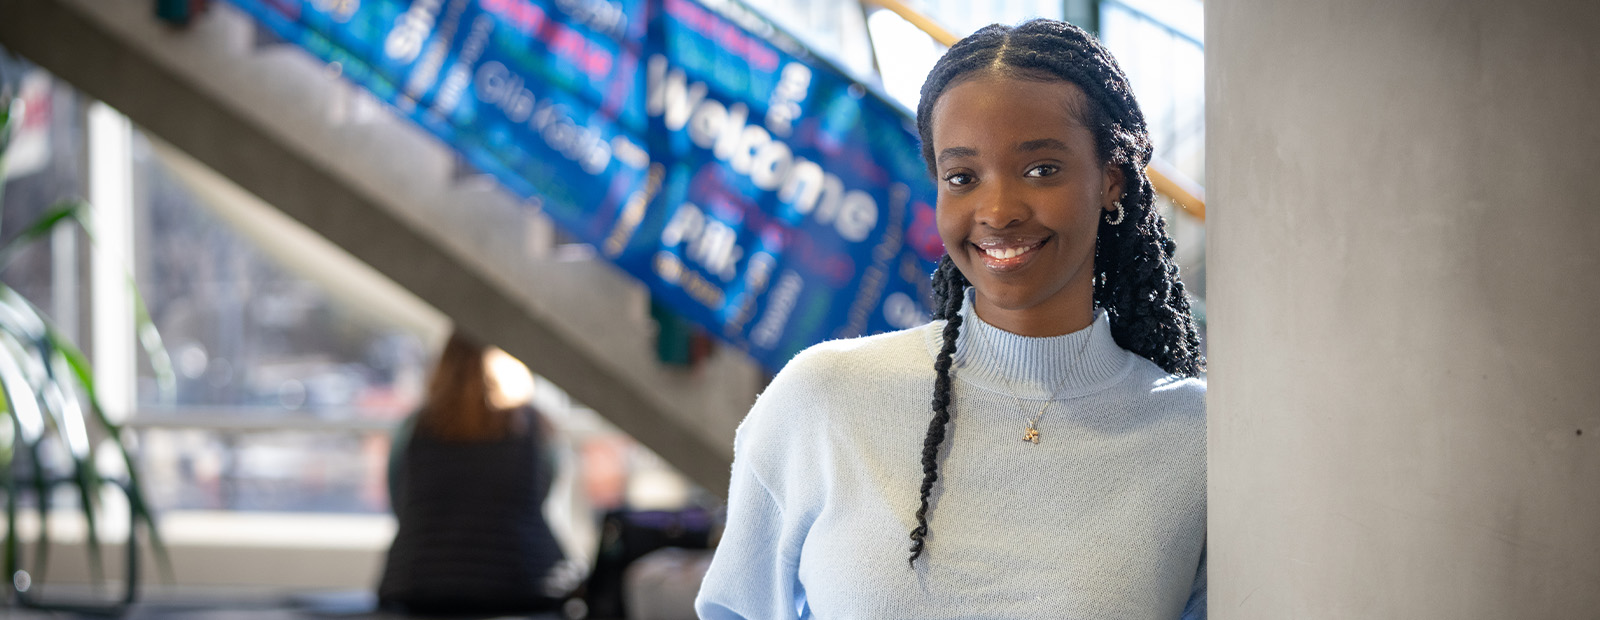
pixel 467 480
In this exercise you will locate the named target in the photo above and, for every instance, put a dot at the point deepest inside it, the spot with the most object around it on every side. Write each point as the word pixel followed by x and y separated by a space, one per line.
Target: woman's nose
pixel 1001 206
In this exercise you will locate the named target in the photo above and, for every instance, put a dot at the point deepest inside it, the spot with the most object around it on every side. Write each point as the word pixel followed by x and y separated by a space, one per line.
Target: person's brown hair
pixel 458 406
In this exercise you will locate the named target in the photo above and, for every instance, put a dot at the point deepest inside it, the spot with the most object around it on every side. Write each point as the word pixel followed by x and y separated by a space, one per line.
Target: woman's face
pixel 1020 195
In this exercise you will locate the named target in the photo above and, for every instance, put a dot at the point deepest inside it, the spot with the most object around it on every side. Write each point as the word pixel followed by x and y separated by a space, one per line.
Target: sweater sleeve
pixel 754 573
pixel 1196 608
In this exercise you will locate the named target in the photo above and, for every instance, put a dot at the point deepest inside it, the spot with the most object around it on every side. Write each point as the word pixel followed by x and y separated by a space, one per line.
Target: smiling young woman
pixel 1061 322
pixel 1020 193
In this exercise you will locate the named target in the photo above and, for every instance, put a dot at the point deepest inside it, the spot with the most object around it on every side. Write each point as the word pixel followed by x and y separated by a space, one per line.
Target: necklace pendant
pixel 1032 435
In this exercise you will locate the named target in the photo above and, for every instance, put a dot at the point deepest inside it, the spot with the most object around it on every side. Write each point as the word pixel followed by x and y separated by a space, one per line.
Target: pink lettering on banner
pixel 566 43
pixel 526 18
pixel 726 35
pixel 835 268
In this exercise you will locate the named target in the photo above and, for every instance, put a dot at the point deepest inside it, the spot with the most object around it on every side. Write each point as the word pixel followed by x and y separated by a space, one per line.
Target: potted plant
pixel 48 405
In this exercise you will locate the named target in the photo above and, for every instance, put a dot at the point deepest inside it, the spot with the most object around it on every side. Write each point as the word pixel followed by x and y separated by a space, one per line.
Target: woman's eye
pixel 1043 171
pixel 958 179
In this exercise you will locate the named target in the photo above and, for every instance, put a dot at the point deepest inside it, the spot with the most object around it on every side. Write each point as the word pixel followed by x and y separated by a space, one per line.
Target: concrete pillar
pixel 1404 276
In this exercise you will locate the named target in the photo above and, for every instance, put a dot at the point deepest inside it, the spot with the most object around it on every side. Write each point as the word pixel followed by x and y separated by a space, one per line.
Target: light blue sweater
pixel 1104 518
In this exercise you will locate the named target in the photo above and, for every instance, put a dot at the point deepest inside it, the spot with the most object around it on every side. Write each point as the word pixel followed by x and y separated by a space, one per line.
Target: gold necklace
pixel 1031 431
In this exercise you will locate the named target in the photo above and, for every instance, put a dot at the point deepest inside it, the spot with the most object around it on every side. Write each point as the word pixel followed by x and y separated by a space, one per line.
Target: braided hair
pixel 1135 279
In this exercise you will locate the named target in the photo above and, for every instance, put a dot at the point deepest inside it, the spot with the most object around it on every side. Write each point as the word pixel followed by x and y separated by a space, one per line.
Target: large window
pixel 1160 46
pixel 44 164
pixel 285 390
pixel 292 362
pixel 291 365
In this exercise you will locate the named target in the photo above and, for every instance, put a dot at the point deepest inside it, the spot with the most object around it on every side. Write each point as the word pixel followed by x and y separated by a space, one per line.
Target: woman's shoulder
pixel 840 374
pixel 1173 392
pixel 864 358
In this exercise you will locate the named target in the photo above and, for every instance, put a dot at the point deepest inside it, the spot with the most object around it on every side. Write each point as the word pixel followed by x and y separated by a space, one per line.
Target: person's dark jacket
pixel 472 535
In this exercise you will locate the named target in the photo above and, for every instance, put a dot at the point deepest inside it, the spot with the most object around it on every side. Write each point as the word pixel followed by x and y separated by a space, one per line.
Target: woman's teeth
pixel 1003 253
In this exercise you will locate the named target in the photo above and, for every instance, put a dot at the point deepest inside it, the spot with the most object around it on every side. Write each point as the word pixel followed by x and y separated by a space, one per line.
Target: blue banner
pixel 755 188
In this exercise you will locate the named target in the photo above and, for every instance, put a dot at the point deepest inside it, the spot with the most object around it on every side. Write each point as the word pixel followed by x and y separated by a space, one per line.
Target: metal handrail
pixel 1184 193
pixel 922 22
pixel 1146 16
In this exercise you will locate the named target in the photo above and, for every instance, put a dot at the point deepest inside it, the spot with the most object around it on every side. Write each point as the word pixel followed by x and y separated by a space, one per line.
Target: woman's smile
pixel 1007 255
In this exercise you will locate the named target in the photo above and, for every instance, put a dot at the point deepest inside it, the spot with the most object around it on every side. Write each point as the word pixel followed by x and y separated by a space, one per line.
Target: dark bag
pixel 626 536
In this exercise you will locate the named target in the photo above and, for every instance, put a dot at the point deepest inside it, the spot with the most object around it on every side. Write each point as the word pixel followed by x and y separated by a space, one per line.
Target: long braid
pixel 949 289
pixel 1149 306
pixel 1136 279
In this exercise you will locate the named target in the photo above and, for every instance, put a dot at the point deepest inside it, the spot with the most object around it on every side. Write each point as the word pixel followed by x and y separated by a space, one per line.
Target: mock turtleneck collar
pixel 1035 368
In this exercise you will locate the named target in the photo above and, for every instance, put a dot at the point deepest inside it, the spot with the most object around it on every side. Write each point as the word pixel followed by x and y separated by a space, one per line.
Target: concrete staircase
pixel 284 127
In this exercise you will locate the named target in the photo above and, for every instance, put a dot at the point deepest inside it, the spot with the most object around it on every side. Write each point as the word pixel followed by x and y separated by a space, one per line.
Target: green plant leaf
pixel 57 213
pixel 24 404
pixel 11 546
pixel 154 348
pixel 18 391
pixel 41 490
pixel 40 375
pixel 79 363
pixel 7 103
pixel 88 483
pixel 149 337
pixel 37 402
pixel 11 110
pixel 10 113
pixel 65 371
pixel 8 437
pixel 61 400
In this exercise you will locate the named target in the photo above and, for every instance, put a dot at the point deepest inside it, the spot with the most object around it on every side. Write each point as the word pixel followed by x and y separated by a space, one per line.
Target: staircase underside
pixel 283 127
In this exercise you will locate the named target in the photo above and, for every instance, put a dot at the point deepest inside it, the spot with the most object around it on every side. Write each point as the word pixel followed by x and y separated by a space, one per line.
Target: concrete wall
pixel 1405 265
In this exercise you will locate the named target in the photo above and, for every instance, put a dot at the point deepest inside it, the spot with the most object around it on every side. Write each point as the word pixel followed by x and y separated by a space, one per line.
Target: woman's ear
pixel 1114 180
